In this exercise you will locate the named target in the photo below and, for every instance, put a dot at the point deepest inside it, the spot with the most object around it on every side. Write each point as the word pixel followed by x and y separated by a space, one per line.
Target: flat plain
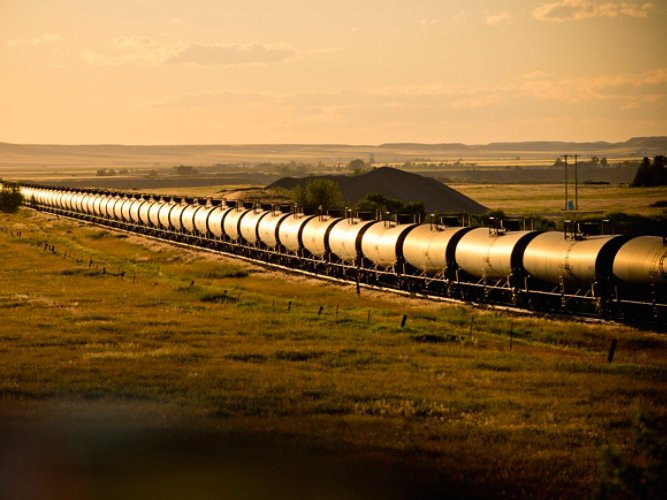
pixel 132 367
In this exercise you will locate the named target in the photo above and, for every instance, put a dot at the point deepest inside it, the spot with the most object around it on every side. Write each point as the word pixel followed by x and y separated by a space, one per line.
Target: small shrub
pixel 10 197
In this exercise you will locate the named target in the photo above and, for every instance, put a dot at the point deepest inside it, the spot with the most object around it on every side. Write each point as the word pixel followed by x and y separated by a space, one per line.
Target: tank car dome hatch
pixel 642 260
pixel 382 242
pixel 551 257
pixel 486 253
pixel 315 234
pixel 432 248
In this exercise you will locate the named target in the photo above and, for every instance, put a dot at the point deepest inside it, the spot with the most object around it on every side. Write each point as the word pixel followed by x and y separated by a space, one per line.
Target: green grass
pixel 194 344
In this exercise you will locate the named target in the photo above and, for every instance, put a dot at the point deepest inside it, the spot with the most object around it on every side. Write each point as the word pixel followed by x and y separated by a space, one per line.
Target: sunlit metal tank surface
pixel 89 204
pixel 77 200
pixel 493 254
pixel 188 217
pixel 144 212
pixel 201 219
pixel 102 207
pixel 118 208
pixel 382 242
pixel 551 256
pixel 154 212
pixel 135 207
pixel 125 210
pixel 289 231
pixel 57 199
pixel 107 207
pixel 345 238
pixel 230 224
pixel 48 199
pixel 431 248
pixel 97 202
pixel 267 228
pixel 642 260
pixel 216 219
pixel 74 202
pixel 315 234
pixel 163 214
pixel 66 200
pixel 175 216
pixel 61 200
pixel 249 224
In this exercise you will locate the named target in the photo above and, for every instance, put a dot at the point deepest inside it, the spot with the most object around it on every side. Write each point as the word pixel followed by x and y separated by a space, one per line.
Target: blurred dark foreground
pixel 84 457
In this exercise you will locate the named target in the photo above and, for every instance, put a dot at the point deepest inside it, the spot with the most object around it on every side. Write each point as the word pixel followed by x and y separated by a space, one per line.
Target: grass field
pixel 131 367
pixel 525 199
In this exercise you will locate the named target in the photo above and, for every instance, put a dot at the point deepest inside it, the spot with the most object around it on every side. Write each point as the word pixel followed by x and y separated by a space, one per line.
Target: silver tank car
pixel 175 216
pixel 382 242
pixel 77 202
pixel 231 224
pixel 188 217
pixel 201 219
pixel 66 200
pixel 431 248
pixel 118 208
pixel 249 224
pixel 315 234
pixel 551 257
pixel 163 214
pixel 154 212
pixel 144 212
pixel 642 260
pixel 267 228
pixel 125 210
pixel 289 231
pixel 109 207
pixel 216 219
pixel 135 208
pixel 486 253
pixel 345 238
pixel 89 204
pixel 97 210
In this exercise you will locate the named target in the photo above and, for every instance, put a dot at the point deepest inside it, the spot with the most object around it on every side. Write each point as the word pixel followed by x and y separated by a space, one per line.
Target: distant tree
pixel 651 174
pixel 323 193
pixel 10 197
pixel 357 166
pixel 558 162
pixel 318 192
pixel 603 161
pixel 377 202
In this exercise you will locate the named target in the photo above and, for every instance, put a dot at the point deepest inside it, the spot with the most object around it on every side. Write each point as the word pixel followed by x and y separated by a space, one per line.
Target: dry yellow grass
pixel 191 358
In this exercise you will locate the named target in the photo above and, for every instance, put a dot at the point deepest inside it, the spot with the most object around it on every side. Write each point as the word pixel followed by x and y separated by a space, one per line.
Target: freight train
pixel 604 276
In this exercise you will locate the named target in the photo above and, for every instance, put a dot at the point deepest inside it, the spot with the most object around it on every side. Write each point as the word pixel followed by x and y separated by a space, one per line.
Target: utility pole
pixel 565 182
pixel 576 185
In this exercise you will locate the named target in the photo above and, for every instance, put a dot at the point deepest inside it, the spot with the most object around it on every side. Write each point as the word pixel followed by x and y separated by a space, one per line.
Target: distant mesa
pixel 396 184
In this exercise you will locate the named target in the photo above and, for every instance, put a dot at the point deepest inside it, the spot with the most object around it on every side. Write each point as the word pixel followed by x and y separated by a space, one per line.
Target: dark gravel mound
pixel 397 184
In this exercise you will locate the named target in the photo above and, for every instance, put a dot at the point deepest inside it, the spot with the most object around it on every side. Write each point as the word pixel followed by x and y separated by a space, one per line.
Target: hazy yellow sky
pixel 321 71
